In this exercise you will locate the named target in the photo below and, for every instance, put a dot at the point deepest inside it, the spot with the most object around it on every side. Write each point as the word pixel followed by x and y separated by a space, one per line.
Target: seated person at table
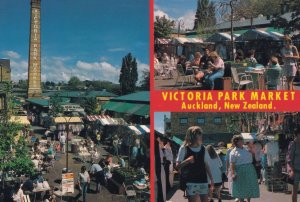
pixel 272 74
pixel 82 148
pixel 205 59
pixel 196 60
pixel 216 69
pixel 250 58
pixel 95 153
pixel 165 58
pixel 199 75
pixel 36 162
pixel 36 147
pixel 38 179
pixel 182 61
pixel 239 55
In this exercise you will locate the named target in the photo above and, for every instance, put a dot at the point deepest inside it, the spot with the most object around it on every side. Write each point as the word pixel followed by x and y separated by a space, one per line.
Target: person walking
pixel 83 181
pixel 62 141
pixel 290 57
pixel 98 173
pixel 193 164
pixel 215 165
pixel 245 184
pixel 293 162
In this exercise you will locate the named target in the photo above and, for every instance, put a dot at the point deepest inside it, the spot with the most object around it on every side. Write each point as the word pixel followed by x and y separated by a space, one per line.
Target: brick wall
pixel 209 122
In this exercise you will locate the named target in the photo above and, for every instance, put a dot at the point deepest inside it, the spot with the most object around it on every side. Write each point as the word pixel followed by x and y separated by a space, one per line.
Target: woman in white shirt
pixel 215 165
pixel 245 184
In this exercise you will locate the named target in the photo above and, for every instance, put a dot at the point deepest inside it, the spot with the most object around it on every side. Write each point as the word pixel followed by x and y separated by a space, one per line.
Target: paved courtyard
pixel 265 196
pixel 55 175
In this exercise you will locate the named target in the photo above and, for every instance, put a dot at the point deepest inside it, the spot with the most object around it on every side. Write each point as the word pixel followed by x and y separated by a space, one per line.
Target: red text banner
pixel 225 101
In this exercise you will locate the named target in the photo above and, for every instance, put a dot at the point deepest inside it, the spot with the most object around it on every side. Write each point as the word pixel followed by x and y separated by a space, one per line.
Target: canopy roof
pixel 163 41
pixel 222 36
pixel 67 120
pixel 257 34
pixel 128 108
pixel 106 120
pixel 183 40
pixel 140 129
pixel 19 119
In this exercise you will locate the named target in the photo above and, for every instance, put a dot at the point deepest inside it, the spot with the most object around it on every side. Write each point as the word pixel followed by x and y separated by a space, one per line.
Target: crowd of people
pixel 203 170
pixel 208 66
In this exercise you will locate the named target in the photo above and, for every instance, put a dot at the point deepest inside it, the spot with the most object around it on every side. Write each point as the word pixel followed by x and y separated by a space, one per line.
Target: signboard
pixel 67 183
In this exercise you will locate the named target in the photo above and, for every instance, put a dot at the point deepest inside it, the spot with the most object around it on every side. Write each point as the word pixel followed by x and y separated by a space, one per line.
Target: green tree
pixel 145 82
pixel 90 105
pixel 289 25
pixel 55 105
pixel 128 74
pixel 252 8
pixel 163 27
pixel 205 16
pixel 13 150
pixel 74 83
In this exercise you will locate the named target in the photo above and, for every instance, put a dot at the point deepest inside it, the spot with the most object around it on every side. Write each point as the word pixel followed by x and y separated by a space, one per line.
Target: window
pixel 217 120
pixel 201 121
pixel 183 120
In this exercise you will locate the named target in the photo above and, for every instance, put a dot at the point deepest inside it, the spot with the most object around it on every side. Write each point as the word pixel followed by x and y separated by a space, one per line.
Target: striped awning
pixel 182 40
pixel 106 120
pixel 140 129
pixel 259 34
pixel 163 41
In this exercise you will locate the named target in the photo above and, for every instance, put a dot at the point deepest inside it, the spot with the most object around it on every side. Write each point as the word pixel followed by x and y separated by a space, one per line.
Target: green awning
pixel 177 140
pixel 272 29
pixel 39 102
pixel 128 108
pixel 242 31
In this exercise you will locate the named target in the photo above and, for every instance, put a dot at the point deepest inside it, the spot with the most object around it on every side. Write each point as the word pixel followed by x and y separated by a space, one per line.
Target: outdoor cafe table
pixel 84 155
pixel 259 75
pixel 43 142
pixel 35 191
pixel 76 140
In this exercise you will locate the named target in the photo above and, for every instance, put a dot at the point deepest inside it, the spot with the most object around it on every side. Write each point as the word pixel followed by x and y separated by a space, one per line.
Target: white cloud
pixel 188 19
pixel 11 54
pixel 116 49
pixel 61 69
pixel 160 13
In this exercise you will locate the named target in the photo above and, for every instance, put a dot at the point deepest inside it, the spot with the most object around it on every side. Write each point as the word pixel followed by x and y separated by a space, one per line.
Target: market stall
pixel 72 124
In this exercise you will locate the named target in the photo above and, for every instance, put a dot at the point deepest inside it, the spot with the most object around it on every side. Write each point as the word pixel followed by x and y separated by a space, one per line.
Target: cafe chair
pixel 240 79
pixel 273 77
pixel 130 193
pixel 26 198
pixel 181 75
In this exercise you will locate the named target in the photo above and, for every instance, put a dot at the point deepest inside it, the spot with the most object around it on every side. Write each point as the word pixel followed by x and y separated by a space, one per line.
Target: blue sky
pixel 159 120
pixel 79 38
pixel 178 10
